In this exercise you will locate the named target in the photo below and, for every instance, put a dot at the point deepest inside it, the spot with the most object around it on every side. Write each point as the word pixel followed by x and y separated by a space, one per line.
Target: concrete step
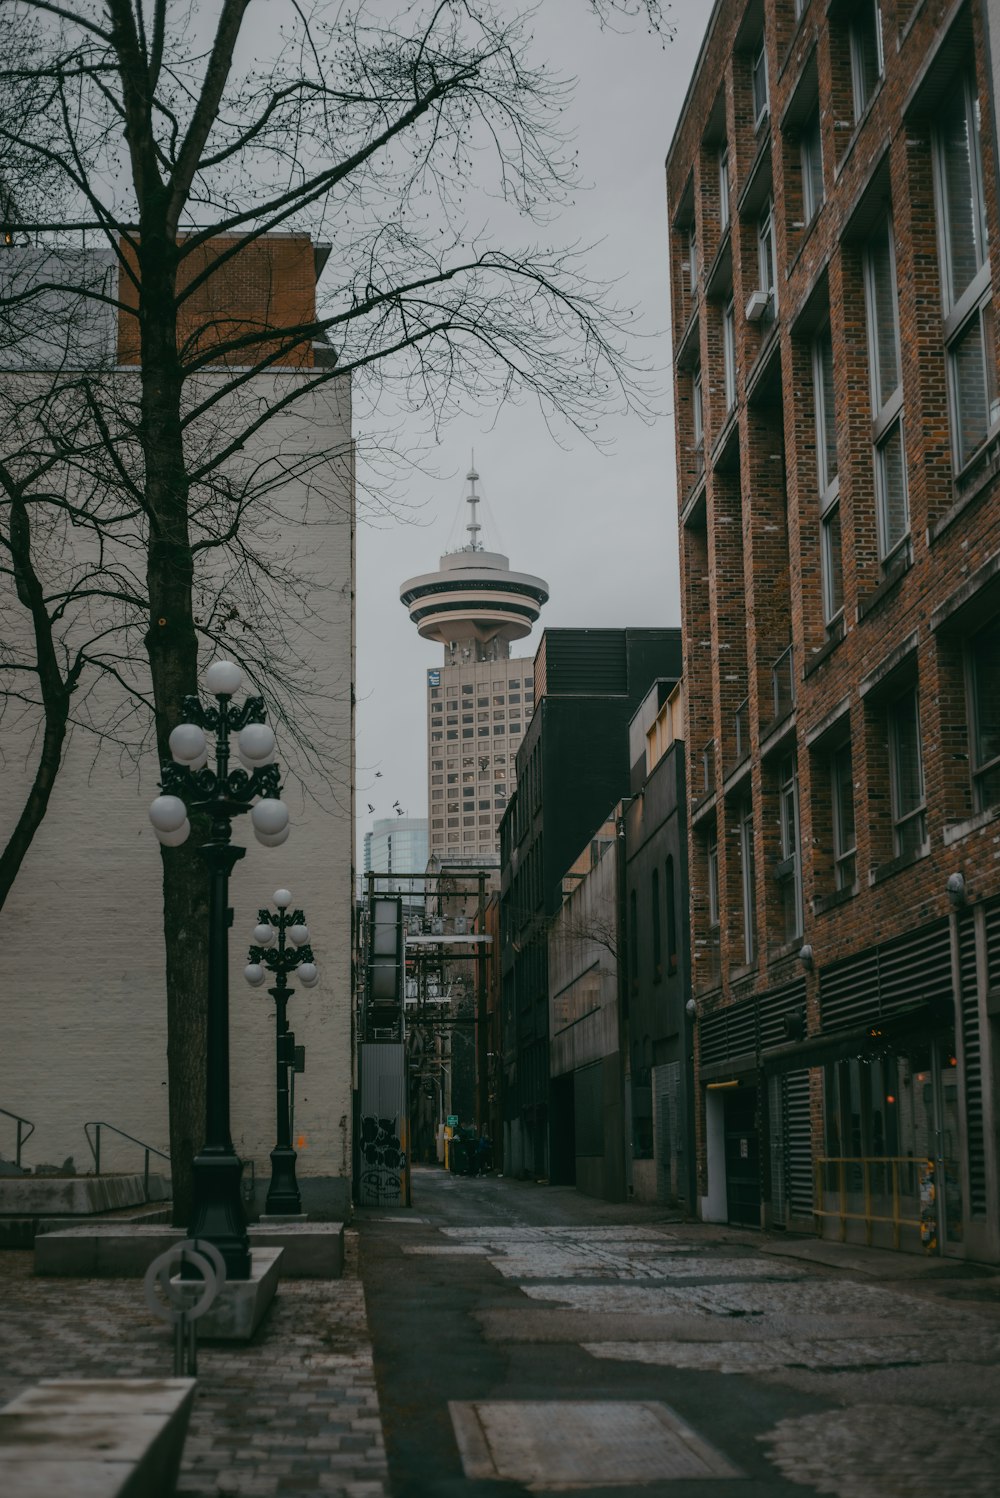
pixel 312 1250
pixel 21 1232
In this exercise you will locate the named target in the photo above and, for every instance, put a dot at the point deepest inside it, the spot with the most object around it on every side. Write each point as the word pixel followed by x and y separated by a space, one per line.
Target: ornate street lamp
pixel 190 787
pixel 282 945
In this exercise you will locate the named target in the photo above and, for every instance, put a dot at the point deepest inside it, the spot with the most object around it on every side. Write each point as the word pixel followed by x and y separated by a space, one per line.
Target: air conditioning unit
pixel 757 305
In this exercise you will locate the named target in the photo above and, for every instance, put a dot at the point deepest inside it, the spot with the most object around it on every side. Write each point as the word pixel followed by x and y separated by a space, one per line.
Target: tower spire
pixel 472 497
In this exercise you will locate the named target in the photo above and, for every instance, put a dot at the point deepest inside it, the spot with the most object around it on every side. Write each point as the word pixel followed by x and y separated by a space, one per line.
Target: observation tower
pixel 480 699
pixel 474 605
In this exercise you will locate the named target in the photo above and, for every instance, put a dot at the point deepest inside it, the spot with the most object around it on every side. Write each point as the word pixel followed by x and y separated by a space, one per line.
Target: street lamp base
pixel 283 1199
pixel 218 1210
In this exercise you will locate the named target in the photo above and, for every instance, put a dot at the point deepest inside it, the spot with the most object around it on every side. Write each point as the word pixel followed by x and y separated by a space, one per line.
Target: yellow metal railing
pixel 891 1165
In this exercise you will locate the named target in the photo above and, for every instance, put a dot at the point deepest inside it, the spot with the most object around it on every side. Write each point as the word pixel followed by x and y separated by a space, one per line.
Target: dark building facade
pixel 655 957
pixel 572 767
pixel 832 198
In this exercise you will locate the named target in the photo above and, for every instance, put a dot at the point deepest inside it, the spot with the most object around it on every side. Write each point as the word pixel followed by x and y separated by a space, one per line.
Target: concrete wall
pixel 84 1026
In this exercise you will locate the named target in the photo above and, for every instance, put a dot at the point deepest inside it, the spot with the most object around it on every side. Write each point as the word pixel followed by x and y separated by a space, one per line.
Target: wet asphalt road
pixel 449 1325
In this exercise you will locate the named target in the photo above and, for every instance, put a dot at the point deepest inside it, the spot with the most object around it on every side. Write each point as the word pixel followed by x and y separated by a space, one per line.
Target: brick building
pixel 832 199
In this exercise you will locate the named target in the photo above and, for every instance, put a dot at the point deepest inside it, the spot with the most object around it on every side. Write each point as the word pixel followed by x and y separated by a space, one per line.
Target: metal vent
pixel 775 1007
pixel 973 1068
pixel 883 980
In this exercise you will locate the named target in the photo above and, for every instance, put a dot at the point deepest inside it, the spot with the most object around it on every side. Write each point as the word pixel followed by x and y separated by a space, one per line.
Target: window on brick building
pixel 729 351
pixel 965 271
pixel 767 258
pixel 724 187
pixel 831 563
pixel 886 393
pixel 845 858
pixel 698 420
pixel 758 74
pixel 789 870
pixel 906 775
pixel 691 263
pixel 748 879
pixel 811 154
pixel 867 60
pixel 984 693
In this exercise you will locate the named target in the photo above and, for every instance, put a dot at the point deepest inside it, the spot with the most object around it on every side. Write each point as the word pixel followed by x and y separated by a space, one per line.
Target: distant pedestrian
pixel 484 1154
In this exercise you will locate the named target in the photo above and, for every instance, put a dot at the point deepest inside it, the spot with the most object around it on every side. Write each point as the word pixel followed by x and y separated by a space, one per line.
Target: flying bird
pixel 378 774
pixel 370 807
pixel 396 805
pixel 400 812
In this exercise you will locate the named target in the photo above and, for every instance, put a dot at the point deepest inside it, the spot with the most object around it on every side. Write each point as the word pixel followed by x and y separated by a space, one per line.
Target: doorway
pixel 743 1193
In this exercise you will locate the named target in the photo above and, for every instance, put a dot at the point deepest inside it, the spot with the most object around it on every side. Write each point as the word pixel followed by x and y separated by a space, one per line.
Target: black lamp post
pixel 220 795
pixel 282 946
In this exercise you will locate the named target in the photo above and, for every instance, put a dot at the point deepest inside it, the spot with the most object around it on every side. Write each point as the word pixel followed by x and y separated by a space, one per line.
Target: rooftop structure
pixel 474 605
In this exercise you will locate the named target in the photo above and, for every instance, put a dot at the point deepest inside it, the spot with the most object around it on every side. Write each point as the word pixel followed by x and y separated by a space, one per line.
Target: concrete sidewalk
pixel 294 1412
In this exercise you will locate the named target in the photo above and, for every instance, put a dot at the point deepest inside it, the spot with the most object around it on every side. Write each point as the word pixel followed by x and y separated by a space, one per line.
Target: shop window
pixel 965 271
pixel 984 682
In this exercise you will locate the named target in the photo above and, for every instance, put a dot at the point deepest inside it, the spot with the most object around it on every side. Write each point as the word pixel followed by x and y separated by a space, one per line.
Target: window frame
pixel 748 880
pixel 887 413
pixel 831 552
pixel 724 187
pixel 729 352
pixel 767 256
pixel 901 816
pixel 789 824
pixel 845 848
pixel 860 99
pixel 973 304
pixel 811 156
pixel 698 418
pixel 759 82
pixel 980 768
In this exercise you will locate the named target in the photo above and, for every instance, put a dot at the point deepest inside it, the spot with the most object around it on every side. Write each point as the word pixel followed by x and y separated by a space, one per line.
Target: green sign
pixel 453 1120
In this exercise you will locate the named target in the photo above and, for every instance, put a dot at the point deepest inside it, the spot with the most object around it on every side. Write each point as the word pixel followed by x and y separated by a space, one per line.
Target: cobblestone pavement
pixel 807 1366
pixel 294 1412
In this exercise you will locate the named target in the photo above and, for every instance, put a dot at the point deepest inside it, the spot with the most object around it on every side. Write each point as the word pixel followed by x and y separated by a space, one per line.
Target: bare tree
pixel 369 132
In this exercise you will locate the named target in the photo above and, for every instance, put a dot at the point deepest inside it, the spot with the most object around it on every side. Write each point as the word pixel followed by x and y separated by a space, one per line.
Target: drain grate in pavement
pixel 579 1444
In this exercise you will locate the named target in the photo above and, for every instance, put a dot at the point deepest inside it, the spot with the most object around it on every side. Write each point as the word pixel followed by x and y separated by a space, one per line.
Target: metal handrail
pixel 95 1148
pixel 868 1217
pixel 20 1137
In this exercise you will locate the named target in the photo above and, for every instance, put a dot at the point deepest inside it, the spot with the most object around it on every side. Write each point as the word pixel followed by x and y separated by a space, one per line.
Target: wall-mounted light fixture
pixel 956 890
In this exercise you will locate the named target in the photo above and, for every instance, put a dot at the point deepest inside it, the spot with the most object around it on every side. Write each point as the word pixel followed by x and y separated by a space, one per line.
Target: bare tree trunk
pixel 55 694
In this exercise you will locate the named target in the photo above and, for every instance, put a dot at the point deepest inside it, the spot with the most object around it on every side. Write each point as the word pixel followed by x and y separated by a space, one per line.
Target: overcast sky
pixel 601 529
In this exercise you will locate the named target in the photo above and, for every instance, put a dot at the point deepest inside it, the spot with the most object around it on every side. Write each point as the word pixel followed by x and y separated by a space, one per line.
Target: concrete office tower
pixel 83 926
pixel 480 701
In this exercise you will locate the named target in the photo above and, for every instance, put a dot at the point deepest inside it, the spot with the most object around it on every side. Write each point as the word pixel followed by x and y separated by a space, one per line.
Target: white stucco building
pixel 85 1026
